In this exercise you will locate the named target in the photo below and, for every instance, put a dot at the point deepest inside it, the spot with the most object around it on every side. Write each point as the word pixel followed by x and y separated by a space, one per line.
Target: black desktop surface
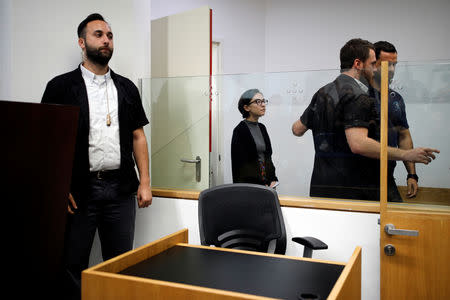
pixel 239 272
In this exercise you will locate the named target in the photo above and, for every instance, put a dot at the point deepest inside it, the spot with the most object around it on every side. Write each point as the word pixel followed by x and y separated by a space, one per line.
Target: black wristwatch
pixel 413 176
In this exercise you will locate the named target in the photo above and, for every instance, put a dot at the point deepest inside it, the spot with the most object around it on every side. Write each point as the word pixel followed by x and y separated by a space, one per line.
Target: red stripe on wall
pixel 210 80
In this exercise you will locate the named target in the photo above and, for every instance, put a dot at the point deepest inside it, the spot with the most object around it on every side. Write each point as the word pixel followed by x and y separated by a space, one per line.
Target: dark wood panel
pixel 38 142
pixel 427 195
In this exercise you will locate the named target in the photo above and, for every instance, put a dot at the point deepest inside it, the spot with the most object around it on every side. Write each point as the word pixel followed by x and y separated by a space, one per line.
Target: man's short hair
pixel 354 49
pixel 82 27
pixel 385 47
pixel 245 99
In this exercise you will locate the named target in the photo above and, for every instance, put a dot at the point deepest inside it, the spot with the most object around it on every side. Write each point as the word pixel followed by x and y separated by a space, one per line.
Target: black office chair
pixel 246 216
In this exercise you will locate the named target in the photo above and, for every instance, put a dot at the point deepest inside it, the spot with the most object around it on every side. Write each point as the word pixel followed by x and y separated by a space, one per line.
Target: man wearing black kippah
pixel 110 139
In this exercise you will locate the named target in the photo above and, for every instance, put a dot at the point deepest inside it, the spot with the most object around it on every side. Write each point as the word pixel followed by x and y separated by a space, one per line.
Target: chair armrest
pixel 310 242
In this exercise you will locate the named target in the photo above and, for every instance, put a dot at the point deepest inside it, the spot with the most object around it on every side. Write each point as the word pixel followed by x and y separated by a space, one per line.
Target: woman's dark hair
pixel 354 49
pixel 385 47
pixel 82 27
pixel 245 99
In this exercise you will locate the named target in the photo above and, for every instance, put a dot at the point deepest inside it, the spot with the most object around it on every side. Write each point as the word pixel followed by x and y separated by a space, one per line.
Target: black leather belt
pixel 104 174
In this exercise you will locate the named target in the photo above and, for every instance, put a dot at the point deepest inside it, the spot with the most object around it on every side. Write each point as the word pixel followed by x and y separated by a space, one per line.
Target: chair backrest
pixel 241 216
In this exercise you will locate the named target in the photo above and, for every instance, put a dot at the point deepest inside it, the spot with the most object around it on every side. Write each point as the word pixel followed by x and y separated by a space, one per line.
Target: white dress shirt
pixel 362 85
pixel 104 141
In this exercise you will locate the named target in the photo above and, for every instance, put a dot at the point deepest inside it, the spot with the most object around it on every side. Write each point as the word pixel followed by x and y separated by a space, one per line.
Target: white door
pixel 180 100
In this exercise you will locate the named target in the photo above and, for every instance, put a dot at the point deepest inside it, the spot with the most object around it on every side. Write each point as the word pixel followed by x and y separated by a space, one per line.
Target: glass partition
pixel 179 131
pixel 425 88
pixel 288 95
pixel 212 115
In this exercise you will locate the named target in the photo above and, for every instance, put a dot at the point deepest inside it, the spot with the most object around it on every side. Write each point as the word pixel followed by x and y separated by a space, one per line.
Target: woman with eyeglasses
pixel 251 151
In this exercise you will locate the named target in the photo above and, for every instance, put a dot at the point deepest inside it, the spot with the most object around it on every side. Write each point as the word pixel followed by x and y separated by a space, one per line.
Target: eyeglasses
pixel 260 101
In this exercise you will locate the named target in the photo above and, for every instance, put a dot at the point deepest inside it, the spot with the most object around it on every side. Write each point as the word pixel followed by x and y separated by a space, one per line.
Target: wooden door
pixel 420 267
pixel 415 261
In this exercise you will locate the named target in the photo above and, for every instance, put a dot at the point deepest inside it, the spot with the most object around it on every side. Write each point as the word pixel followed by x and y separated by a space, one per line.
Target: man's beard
pixel 366 78
pixel 98 56
pixel 377 77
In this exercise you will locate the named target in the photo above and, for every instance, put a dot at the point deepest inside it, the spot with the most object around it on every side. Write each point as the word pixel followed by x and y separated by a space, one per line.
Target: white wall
pixel 238 24
pixel 294 35
pixel 42 41
pixel 307 35
pixel 5 49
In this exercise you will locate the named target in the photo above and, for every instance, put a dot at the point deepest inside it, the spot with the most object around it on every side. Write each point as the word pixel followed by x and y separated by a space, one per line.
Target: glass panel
pixel 288 95
pixel 179 132
pixel 180 129
pixel 425 88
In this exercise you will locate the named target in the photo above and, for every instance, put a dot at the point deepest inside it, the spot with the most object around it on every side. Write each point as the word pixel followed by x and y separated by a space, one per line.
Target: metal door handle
pixel 390 229
pixel 198 166
pixel 191 161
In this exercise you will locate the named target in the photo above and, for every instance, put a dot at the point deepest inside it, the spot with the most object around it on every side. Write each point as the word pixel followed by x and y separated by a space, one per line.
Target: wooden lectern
pixel 36 156
pixel 170 268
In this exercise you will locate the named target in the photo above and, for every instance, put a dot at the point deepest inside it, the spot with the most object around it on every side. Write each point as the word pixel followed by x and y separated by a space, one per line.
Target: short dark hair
pixel 354 49
pixel 245 99
pixel 82 27
pixel 383 46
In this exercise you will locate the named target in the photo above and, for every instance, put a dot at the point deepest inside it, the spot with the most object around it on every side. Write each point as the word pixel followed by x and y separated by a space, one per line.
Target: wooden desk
pixel 169 268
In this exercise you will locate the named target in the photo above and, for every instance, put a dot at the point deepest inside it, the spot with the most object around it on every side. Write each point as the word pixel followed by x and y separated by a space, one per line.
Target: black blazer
pixel 244 156
pixel 70 89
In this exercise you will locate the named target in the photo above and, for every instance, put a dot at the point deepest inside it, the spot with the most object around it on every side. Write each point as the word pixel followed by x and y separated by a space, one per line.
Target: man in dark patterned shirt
pixel 344 124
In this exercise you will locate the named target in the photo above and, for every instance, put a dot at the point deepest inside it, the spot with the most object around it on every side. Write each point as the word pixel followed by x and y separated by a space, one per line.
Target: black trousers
pixel 111 213
pixel 393 193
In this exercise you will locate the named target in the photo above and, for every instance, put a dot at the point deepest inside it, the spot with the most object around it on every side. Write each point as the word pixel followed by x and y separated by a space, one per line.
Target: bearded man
pixel 110 139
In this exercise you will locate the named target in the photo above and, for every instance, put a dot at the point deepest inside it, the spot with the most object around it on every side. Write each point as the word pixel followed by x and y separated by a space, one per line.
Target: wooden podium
pixel 170 268
pixel 36 156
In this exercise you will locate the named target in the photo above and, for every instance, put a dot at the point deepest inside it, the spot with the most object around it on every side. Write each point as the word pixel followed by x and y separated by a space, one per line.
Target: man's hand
pixel 140 151
pixel 413 187
pixel 144 196
pixel 420 155
pixel 72 205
